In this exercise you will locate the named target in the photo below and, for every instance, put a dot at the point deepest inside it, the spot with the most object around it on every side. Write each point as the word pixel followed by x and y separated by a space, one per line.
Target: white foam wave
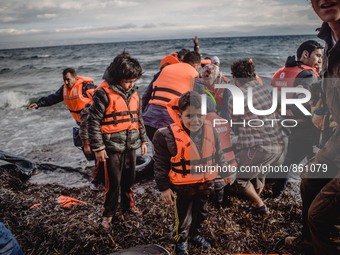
pixel 13 100
pixel 44 56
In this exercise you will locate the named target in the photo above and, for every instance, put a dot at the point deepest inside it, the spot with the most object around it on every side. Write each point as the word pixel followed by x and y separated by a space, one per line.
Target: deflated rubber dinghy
pixel 25 168
pixel 22 166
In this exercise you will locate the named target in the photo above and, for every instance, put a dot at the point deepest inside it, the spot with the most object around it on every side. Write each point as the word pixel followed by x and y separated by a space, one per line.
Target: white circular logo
pixel 282 75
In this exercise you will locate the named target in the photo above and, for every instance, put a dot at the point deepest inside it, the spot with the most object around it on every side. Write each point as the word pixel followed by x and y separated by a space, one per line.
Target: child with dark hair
pixel 116 131
pixel 180 151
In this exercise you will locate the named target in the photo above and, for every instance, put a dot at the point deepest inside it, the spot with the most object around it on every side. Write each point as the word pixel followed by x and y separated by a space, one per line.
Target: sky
pixel 27 23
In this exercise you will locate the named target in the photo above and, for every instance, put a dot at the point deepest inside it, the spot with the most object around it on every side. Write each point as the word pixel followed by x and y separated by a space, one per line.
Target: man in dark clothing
pixel 76 92
pixel 299 73
pixel 320 192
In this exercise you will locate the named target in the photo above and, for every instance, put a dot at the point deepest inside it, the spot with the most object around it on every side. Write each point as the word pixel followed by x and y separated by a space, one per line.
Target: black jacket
pixel 331 72
pixel 330 153
pixel 58 96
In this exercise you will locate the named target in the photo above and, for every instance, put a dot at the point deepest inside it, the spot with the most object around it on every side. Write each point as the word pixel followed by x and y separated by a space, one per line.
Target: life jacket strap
pixel 115 122
pixel 75 111
pixel 228 149
pixel 171 91
pixel 202 161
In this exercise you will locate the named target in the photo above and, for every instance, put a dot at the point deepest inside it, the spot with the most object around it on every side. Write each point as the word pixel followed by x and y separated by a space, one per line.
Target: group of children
pixel 187 148
pixel 186 153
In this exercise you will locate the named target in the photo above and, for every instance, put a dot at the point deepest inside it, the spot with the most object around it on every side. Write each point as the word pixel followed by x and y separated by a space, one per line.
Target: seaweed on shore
pixel 48 228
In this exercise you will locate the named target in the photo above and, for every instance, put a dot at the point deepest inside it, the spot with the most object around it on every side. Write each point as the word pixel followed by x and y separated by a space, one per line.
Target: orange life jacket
pixel 173 81
pixel 223 131
pixel 168 60
pixel 119 115
pixel 188 166
pixel 285 76
pixel 205 61
pixel 74 98
pixel 65 201
pixel 188 158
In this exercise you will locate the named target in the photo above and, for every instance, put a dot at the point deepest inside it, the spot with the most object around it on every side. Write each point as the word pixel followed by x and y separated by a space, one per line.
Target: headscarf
pixel 211 75
pixel 215 60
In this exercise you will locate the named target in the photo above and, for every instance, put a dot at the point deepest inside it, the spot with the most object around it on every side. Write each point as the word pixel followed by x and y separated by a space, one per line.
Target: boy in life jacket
pixel 185 155
pixel 116 131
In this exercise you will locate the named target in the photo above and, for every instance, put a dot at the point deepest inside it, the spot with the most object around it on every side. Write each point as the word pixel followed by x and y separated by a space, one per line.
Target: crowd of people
pixel 187 140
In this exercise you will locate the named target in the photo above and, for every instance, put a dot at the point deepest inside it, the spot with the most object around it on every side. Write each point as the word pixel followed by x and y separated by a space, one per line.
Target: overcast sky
pixel 26 23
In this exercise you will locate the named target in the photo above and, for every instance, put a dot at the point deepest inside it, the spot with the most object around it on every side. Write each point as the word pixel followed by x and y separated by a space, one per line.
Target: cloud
pixel 121 20
pixel 10 31
pixel 47 16
pixel 150 25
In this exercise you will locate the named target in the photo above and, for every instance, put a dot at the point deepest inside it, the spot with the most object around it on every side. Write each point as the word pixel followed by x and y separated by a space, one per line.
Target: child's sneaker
pixel 182 248
pixel 134 210
pixel 200 241
pixel 106 223
pixel 96 186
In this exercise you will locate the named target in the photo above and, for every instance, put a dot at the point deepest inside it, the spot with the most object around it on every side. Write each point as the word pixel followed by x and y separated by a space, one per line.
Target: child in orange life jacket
pixel 181 151
pixel 116 131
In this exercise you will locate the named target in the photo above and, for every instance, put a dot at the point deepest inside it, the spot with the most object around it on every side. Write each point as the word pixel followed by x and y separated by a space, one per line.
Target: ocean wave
pixel 27 67
pixel 36 56
pixel 13 100
pixel 5 70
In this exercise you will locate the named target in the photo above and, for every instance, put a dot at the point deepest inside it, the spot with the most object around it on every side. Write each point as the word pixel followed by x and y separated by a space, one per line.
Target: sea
pixel 44 135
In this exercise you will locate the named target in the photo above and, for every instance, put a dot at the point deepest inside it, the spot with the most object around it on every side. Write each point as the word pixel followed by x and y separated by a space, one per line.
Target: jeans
pixel 8 243
pixel 256 156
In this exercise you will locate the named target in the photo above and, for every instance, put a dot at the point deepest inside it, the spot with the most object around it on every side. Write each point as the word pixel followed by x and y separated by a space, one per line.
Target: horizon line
pixel 149 40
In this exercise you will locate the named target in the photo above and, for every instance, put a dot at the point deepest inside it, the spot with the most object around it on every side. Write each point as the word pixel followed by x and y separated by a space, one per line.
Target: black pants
pixel 120 175
pixel 98 173
pixel 324 219
pixel 320 193
pixel 150 131
pixel 300 145
pixel 191 208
